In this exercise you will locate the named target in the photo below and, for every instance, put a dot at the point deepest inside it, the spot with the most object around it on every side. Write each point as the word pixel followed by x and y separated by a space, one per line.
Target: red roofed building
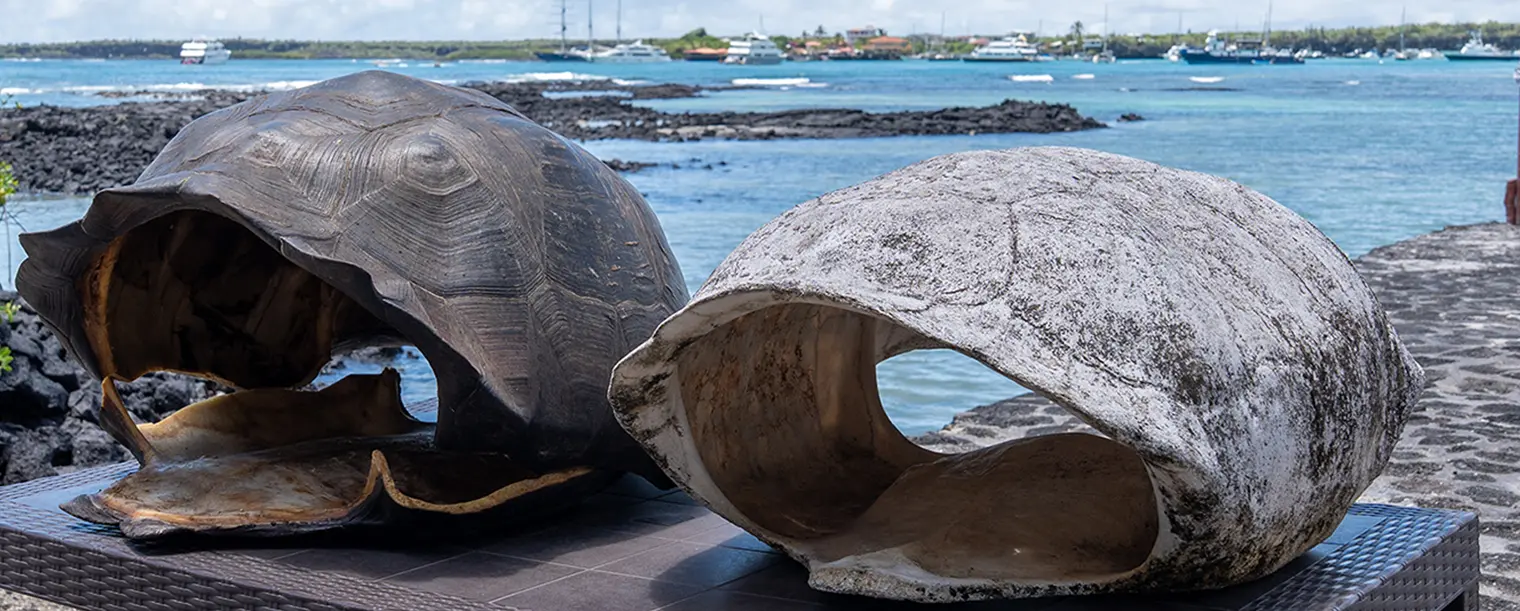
pixel 889 44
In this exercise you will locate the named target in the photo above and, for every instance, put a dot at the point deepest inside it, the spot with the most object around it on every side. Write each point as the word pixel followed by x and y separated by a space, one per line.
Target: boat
pixel 1215 51
pixel 940 54
pixel 1174 54
pixel 1476 49
pixel 630 53
pixel 635 52
pixel 753 49
pixel 1403 54
pixel 203 51
pixel 565 53
pixel 1010 49
pixel 1105 56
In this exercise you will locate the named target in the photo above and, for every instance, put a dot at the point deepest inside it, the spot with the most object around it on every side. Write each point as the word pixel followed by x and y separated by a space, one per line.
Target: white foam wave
pixel 772 82
pixel 528 77
pixel 1353 82
pixel 1206 79
pixel 1031 78
pixel 17 91
pixel 629 82
pixel 176 87
pixel 90 88
pixel 1083 77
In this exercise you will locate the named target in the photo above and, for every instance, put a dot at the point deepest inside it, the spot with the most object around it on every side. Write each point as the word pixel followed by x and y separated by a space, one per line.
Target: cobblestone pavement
pixel 1454 297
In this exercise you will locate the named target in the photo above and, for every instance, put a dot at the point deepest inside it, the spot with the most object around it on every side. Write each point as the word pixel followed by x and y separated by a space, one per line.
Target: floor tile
pixel 269 553
pixel 668 520
pixel 724 600
pixel 596 591
pixel 695 564
pixel 635 486
pixel 581 547
pixel 481 576
pixel 368 563
pixel 728 535
pixel 678 496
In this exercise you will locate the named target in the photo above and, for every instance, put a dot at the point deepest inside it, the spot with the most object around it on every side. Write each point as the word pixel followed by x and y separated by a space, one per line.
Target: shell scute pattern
pixel 381 209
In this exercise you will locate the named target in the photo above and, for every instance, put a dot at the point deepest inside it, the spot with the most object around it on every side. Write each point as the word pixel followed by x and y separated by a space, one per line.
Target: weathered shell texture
pixel 369 208
pixel 1247 384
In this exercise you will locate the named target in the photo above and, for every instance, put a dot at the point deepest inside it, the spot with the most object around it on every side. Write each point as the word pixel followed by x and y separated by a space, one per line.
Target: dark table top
pixel 632 548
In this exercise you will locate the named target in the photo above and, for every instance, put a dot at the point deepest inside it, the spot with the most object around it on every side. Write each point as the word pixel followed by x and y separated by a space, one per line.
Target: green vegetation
pixel 7 188
pixel 695 39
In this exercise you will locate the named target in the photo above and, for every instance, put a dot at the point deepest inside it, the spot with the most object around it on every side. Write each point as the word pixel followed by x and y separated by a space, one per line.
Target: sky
pixel 72 20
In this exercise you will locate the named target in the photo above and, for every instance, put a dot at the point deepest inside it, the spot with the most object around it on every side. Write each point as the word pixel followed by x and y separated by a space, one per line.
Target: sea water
pixel 1371 153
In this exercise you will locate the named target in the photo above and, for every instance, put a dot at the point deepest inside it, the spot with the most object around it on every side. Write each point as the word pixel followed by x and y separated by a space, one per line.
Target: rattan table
pixel 633 548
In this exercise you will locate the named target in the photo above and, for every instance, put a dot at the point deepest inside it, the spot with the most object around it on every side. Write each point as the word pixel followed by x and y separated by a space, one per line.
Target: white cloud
pixel 64 20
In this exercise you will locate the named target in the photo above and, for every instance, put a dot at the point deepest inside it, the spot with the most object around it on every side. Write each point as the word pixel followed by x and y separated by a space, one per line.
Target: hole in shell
pixel 303 439
pixel 923 390
pixel 784 413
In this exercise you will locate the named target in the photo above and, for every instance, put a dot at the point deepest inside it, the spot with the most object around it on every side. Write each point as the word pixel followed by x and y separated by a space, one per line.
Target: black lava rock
pixel 83 150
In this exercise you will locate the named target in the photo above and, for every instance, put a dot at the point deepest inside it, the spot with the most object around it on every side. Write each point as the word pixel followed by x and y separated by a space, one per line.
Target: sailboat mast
pixel 1105 27
pixel 1266 33
pixel 1403 25
pixel 620 22
pixel 941 30
pixel 564 40
pixel 590 36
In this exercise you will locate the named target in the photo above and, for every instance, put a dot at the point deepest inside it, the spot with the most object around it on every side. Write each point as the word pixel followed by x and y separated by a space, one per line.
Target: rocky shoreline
pixel 82 150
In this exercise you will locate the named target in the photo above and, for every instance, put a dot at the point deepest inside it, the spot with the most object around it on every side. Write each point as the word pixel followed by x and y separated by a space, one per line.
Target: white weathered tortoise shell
pixel 1250 383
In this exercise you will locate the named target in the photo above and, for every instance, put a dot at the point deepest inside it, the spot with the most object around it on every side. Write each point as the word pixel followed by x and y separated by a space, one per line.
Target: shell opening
pixel 784 413
pixel 195 293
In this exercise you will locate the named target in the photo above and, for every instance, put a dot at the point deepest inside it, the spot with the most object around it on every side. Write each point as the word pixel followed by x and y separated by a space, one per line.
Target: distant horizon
pixel 600 38
pixel 82 21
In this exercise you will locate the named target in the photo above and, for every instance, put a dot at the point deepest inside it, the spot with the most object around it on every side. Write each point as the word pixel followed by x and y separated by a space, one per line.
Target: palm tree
pixel 1076 33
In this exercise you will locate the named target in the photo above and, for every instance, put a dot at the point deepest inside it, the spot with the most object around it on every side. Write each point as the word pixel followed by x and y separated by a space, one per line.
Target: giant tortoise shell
pixel 370 209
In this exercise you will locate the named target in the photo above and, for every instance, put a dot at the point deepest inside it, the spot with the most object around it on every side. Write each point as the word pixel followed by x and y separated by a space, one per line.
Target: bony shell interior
pixel 373 209
pixel 1246 385
pixel 197 293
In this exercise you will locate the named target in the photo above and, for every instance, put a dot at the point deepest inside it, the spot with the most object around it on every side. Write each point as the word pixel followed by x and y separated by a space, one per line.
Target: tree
pixel 820 32
pixel 1076 33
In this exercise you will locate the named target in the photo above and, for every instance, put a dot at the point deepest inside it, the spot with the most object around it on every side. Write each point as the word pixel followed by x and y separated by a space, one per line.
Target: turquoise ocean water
pixel 1371 153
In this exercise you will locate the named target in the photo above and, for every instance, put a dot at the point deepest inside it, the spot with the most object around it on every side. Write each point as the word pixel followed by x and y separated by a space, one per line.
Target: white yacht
pixel 754 50
pixel 1011 49
pixel 202 51
pixel 1477 49
pixel 630 53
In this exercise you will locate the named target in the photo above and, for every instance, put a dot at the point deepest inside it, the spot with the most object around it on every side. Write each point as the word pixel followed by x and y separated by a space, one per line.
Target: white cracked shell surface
pixel 1247 383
